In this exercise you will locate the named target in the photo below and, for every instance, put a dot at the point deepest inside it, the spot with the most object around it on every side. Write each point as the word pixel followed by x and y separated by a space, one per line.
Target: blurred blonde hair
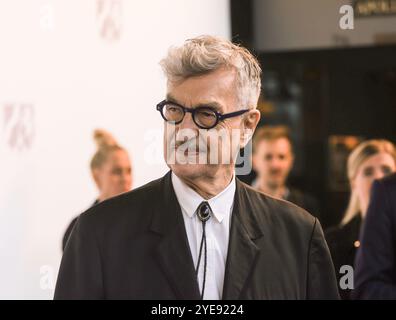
pixel 106 144
pixel 359 155
pixel 204 54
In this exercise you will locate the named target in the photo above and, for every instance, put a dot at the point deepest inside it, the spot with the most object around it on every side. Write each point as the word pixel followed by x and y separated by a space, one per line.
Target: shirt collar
pixel 189 200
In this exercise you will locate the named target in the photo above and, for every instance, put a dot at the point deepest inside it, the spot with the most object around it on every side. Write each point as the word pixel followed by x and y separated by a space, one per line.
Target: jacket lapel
pixel 242 251
pixel 173 252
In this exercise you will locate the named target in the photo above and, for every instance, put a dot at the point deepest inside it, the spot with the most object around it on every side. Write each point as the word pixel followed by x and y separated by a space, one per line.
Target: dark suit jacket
pixel 305 201
pixel 134 246
pixel 70 228
pixel 375 266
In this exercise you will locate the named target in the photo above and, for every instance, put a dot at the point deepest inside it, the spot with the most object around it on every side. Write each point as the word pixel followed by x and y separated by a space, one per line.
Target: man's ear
pixel 254 161
pixel 250 122
pixel 292 159
pixel 352 184
pixel 95 176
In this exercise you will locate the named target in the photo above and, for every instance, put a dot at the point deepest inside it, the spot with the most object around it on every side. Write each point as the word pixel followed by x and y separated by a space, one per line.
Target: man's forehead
pixel 215 90
pixel 203 102
pixel 278 144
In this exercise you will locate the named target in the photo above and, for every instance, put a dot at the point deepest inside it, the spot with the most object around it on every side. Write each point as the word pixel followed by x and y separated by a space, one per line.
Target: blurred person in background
pixel 370 160
pixel 273 160
pixel 375 264
pixel 111 171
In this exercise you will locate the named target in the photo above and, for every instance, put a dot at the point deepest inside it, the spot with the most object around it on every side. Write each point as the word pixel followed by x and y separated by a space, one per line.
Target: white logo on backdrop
pixel 109 17
pixel 47 20
pixel 47 279
pixel 18 125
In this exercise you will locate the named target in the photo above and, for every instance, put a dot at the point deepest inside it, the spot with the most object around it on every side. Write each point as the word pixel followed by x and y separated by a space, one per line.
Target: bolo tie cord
pixel 204 212
pixel 203 244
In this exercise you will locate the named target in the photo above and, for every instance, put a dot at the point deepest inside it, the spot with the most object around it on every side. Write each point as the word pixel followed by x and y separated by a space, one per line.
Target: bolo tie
pixel 203 213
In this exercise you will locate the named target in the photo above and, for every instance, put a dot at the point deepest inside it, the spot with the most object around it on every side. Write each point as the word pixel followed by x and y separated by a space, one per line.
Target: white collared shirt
pixel 217 233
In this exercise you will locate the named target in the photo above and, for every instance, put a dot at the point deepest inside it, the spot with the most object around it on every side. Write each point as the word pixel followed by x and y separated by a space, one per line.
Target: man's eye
pixel 207 114
pixel 117 171
pixel 367 172
pixel 268 157
pixel 386 170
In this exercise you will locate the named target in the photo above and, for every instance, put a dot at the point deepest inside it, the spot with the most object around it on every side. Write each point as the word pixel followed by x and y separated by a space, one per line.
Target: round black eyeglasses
pixel 203 117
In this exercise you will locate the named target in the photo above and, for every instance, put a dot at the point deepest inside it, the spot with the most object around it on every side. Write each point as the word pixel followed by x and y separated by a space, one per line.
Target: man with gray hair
pixel 199 232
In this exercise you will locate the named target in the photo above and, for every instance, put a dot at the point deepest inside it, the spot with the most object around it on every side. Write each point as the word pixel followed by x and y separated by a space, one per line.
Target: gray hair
pixel 204 54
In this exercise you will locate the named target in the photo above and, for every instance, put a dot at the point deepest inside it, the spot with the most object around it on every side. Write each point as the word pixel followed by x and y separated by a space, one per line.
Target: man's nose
pixel 378 174
pixel 275 163
pixel 126 175
pixel 187 122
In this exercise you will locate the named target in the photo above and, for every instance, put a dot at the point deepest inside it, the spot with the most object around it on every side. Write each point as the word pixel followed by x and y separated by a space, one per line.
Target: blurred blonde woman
pixel 370 160
pixel 111 171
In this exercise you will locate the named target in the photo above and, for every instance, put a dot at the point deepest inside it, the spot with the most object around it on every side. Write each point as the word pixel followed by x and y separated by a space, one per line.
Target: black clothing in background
pixel 343 242
pixel 375 265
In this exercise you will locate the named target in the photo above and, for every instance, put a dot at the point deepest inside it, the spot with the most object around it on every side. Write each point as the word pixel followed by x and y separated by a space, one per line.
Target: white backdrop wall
pixel 66 68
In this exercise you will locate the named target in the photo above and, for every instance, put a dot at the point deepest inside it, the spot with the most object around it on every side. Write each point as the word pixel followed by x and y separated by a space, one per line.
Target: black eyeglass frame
pixel 219 116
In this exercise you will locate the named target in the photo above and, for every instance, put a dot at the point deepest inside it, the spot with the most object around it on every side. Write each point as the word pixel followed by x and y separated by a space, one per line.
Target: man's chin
pixel 193 170
pixel 275 184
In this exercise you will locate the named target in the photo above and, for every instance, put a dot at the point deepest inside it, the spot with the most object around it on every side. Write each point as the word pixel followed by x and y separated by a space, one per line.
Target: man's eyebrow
pixel 169 97
pixel 212 104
